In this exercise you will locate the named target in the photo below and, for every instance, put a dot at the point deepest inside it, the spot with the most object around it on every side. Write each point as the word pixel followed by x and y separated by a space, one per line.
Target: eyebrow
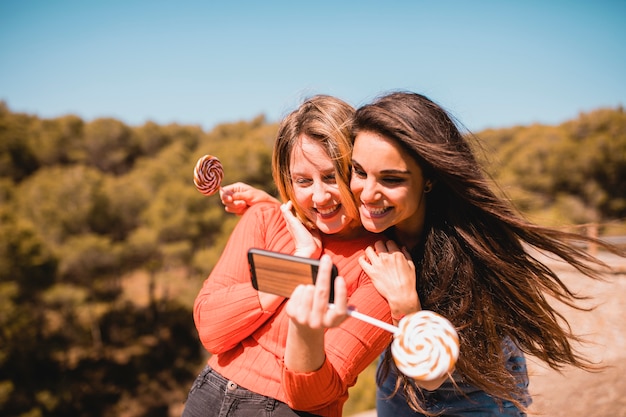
pixel 322 172
pixel 386 171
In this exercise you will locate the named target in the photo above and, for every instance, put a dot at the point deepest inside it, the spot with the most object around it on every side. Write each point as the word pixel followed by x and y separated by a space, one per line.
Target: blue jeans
pixel 212 395
pixel 447 401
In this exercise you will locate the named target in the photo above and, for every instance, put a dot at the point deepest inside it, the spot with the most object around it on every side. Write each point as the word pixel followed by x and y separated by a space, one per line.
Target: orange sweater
pixel 248 344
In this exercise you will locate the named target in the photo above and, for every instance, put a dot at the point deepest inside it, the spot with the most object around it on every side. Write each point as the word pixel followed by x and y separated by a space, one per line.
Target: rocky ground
pixel 576 393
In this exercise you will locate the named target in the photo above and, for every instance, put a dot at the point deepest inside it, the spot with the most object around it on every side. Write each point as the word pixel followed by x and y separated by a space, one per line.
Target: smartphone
pixel 279 273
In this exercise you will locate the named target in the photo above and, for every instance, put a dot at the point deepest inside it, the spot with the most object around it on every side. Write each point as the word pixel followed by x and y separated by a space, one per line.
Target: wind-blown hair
pixel 472 262
pixel 326 120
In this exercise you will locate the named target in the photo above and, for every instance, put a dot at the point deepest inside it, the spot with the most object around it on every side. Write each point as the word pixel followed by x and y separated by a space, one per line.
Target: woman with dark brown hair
pixel 466 255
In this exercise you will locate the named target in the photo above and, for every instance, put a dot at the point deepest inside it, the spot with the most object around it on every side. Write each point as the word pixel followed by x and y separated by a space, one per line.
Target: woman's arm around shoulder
pixel 237 198
pixel 227 308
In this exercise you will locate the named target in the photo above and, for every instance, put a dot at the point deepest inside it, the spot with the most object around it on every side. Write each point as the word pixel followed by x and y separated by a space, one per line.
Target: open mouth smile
pixel 328 211
pixel 377 212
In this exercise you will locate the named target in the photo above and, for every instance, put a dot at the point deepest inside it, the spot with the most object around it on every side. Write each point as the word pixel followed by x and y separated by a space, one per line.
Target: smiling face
pixel 315 189
pixel 388 185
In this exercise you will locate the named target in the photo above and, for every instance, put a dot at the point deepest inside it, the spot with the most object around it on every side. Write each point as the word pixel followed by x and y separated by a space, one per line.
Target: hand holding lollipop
pixel 208 174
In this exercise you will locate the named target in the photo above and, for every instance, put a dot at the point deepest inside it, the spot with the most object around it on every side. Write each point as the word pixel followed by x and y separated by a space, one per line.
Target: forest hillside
pixel 104 242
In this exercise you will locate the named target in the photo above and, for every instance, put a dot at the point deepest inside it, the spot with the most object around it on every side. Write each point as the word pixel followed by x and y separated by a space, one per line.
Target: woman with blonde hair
pixel 276 357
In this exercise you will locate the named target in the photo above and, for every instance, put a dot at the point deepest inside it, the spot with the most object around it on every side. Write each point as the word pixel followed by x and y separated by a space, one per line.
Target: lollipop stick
pixel 371 320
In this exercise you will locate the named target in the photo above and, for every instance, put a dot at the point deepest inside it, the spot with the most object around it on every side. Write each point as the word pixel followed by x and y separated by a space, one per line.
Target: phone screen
pixel 279 273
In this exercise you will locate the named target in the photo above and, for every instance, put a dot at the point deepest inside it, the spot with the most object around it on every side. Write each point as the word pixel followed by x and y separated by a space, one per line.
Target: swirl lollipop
pixel 426 347
pixel 425 344
pixel 208 174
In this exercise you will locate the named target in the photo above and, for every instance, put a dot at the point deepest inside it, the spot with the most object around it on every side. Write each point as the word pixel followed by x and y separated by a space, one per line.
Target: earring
pixel 428 187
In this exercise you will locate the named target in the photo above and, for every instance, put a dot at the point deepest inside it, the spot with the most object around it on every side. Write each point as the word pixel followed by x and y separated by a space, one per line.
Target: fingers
pixel 231 189
pixel 370 253
pixel 392 246
pixel 225 194
pixel 386 246
pixel 364 262
pixel 380 246
pixel 285 208
pixel 308 304
pixel 341 296
pixel 300 303
pixel 236 207
pixel 235 197
pixel 407 255
pixel 390 269
pixel 295 227
pixel 307 242
pixel 322 314
pixel 322 291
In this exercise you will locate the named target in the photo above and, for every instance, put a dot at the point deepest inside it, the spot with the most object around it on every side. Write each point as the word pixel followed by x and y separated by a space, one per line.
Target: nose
pixel 320 193
pixel 369 192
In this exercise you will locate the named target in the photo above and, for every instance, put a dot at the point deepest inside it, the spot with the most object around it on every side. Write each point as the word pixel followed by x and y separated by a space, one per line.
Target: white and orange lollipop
pixel 208 174
pixel 425 344
pixel 426 347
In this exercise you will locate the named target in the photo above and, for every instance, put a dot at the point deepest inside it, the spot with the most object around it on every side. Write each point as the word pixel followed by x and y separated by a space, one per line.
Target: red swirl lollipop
pixel 208 174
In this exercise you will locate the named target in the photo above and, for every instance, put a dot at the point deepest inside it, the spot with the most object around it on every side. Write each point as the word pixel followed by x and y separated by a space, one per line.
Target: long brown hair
pixel 473 266
pixel 326 120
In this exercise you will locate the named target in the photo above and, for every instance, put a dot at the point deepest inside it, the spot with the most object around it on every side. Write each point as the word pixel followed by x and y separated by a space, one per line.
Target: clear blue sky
pixel 490 63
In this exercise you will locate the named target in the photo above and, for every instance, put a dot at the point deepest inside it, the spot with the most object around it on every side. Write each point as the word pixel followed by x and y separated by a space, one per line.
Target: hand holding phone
pixel 279 273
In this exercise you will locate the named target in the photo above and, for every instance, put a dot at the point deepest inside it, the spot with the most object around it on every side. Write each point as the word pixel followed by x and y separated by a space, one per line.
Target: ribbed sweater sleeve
pixel 227 308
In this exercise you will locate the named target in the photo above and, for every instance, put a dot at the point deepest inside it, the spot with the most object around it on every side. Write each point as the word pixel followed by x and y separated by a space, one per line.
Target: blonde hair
pixel 326 120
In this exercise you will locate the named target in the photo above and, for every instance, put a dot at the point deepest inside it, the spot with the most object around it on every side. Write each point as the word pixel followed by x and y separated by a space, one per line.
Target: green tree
pixel 110 146
pixel 27 269
pixel 57 141
pixel 151 138
pixel 17 160
pixel 123 200
pixel 61 201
